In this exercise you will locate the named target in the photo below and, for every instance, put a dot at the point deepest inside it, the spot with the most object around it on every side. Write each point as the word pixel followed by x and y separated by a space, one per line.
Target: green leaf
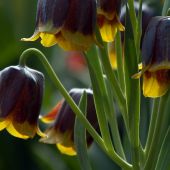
pixel 164 155
pixel 131 67
pixel 110 74
pixel 99 92
pixel 80 136
pixel 113 122
pixel 119 57
pixel 132 89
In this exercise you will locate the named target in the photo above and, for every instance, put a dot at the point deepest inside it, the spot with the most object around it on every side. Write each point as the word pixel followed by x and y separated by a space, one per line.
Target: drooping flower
pixel 70 24
pixel 108 18
pixel 156 58
pixel 61 131
pixel 21 90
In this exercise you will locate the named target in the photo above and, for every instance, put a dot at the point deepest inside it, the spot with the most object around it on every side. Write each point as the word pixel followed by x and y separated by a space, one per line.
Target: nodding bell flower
pixel 70 24
pixel 61 131
pixel 156 58
pixel 108 18
pixel 21 90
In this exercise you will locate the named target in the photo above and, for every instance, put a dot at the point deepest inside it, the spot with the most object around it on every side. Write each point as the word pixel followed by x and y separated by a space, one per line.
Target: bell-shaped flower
pixel 156 58
pixel 61 132
pixel 70 24
pixel 21 90
pixel 108 18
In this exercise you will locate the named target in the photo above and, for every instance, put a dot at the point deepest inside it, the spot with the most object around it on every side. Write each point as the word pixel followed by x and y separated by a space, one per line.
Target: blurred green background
pixel 17 20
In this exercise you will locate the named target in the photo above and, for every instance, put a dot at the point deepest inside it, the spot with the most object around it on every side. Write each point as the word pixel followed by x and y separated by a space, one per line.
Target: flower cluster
pixel 21 90
pixel 72 24
pixel 76 25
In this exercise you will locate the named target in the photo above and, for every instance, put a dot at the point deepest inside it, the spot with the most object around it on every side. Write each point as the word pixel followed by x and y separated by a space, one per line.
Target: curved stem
pixel 123 164
pixel 99 91
pixel 61 88
pixel 112 119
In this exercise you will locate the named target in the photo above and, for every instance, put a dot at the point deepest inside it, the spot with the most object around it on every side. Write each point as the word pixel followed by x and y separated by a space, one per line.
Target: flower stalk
pixel 61 88
pixel 110 152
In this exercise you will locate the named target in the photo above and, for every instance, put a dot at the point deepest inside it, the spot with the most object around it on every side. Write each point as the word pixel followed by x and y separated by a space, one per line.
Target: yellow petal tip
pixel 34 37
pixel 66 150
pixel 152 87
pixel 11 129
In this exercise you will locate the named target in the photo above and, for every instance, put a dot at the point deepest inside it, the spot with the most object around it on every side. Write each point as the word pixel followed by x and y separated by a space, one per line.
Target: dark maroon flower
pixel 21 90
pixel 61 132
pixel 70 24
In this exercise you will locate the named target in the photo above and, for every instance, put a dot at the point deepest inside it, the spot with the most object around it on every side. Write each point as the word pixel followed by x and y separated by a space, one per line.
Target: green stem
pixel 119 59
pixel 80 139
pixel 116 136
pixel 115 86
pixel 113 123
pixel 139 30
pixel 99 91
pixel 132 86
pixel 154 115
pixel 120 98
pixel 112 78
pixel 134 129
pixel 133 16
pixel 60 87
pixel 161 124
pixel 109 149
pixel 123 164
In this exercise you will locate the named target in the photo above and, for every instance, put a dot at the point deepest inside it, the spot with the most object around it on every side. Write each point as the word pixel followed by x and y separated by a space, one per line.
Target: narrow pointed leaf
pixel 164 156
pixel 80 137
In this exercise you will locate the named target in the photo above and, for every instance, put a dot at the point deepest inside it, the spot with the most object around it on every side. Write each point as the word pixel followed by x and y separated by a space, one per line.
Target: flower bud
pixel 21 91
